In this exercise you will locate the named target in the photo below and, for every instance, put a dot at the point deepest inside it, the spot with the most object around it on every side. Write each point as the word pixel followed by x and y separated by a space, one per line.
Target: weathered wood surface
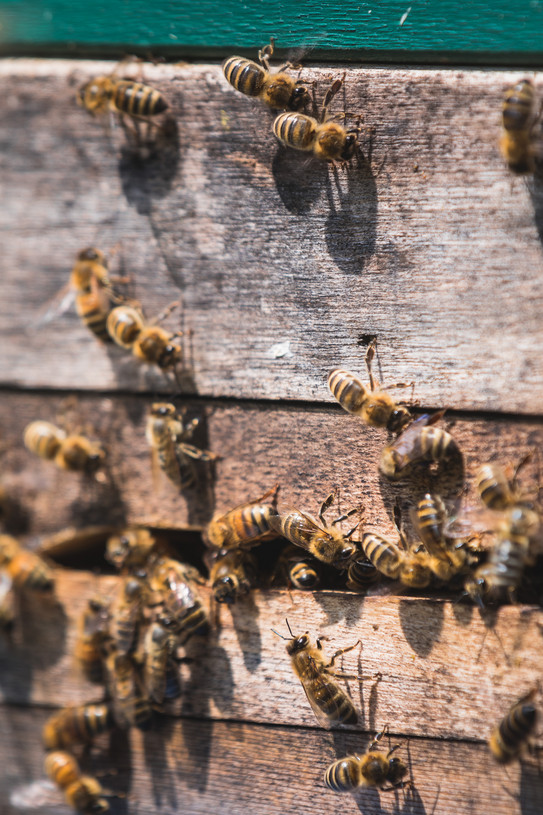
pixel 202 767
pixel 446 671
pixel 285 267
pixel 307 450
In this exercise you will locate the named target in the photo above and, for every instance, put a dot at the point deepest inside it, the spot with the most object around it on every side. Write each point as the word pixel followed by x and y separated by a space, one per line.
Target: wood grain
pixel 447 671
pixel 307 450
pixel 204 765
pixel 285 267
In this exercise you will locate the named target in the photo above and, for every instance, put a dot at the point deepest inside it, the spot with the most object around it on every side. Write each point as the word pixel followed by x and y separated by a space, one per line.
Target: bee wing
pixel 56 306
pixel 304 525
pixel 320 688
pixel 195 452
pixel 472 520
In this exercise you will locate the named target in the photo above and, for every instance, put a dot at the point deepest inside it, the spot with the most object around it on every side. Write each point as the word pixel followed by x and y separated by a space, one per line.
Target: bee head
pixel 298 644
pixel 162 409
pixel 396 770
pixel 170 356
pixel 299 98
pixel 351 140
pixel 345 554
pixel 225 589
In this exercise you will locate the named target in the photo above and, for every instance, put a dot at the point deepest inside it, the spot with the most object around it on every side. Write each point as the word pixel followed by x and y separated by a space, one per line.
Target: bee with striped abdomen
pixel 26 570
pixel 510 736
pixel 362 574
pixel 76 725
pixel 421 441
pixel 277 90
pixel 82 792
pixel 168 435
pixel 147 341
pixel 396 563
pixel 373 769
pixel 159 647
pixel 322 540
pixel 444 558
pixel 89 280
pixel 121 96
pixel 232 573
pixel 131 707
pixel 72 452
pixel 517 143
pixel 326 139
pixel 374 406
pixel 329 702
pixel 301 572
pixel 93 639
pixel 171 580
pixel 244 526
pixel 128 614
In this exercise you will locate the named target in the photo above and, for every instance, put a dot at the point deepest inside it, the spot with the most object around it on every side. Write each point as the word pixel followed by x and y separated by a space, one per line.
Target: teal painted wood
pixel 501 29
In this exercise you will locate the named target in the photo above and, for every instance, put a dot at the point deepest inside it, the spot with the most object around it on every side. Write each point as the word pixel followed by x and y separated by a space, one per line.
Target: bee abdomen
pixel 76 726
pixel 343 775
pixel 429 518
pixel 43 439
pixel 382 554
pixel 303 576
pixel 194 623
pixel 124 326
pixel 436 444
pixel 93 315
pixel 244 75
pixel 509 735
pixel 361 574
pixel 138 99
pixel 518 105
pixel 28 571
pixel 493 487
pixel 295 130
pixel 348 389
pixel 336 705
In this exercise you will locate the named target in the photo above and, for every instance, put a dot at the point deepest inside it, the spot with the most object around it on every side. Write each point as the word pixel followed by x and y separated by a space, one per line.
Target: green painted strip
pixel 501 27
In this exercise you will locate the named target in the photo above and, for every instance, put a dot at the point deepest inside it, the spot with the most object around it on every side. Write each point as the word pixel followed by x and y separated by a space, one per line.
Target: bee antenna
pixel 289 628
pixel 278 634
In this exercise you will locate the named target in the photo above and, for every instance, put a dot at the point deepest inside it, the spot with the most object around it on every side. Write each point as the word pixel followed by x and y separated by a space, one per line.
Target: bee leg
pixel 360 677
pixel 370 353
pixel 375 743
pixel 326 504
pixel 166 313
pixel 396 786
pixel 331 92
pixel 265 53
pixel 341 651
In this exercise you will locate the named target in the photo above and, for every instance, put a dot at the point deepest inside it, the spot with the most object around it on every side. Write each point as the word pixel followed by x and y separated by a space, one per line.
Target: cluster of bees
pixel 131 646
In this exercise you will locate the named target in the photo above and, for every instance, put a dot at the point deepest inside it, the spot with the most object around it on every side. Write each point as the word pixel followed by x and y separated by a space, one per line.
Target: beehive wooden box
pixel 285 270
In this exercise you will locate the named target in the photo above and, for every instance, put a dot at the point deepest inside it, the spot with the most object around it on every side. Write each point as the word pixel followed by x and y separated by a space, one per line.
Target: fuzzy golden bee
pixel 93 639
pixel 26 570
pixel 168 435
pixel 510 736
pixel 72 452
pixel 147 341
pixel 82 792
pixel 396 563
pixel 244 526
pixel 322 540
pixel 159 646
pixel 128 614
pixel 90 282
pixel 374 406
pixel 232 573
pixel 519 117
pixel 171 580
pixel 278 90
pixel 373 769
pixel 328 700
pixel 121 96
pixel 421 441
pixel 76 725
pixel 325 139
pixel 444 558
pixel 130 705
pixel 131 550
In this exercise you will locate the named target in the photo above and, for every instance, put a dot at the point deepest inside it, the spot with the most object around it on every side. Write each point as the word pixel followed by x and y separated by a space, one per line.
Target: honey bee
pixel 167 436
pixel 182 606
pixel 327 140
pixel 329 702
pixel 443 559
pixel 82 792
pixel 398 564
pixel 131 707
pixel 131 550
pixel 69 452
pixel 26 570
pixel 245 525
pixel 517 143
pixel 325 543
pixel 93 639
pixel 76 725
pixel 89 280
pixel 361 574
pixel 7 602
pixel 121 96
pixel 148 342
pixel 373 769
pixel 159 647
pixel 232 573
pixel 375 407
pixel 301 572
pixel 516 526
pixel 420 441
pixel 128 614
pixel 278 90
pixel 511 734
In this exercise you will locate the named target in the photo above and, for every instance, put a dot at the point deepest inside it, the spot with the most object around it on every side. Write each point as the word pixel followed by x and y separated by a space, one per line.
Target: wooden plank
pixel 212 765
pixel 370 29
pixel 285 268
pixel 307 451
pixel 433 656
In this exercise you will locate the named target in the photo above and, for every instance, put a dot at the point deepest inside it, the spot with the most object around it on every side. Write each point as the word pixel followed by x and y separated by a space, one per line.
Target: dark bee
pixel 159 646
pixel 517 143
pixel 278 90
pixel 420 441
pixel 131 707
pixel 375 407
pixel 362 574
pixel 232 573
pixel 373 769
pixel 76 725
pixel 511 734
pixel 183 608
pixel 327 140
pixel 301 571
